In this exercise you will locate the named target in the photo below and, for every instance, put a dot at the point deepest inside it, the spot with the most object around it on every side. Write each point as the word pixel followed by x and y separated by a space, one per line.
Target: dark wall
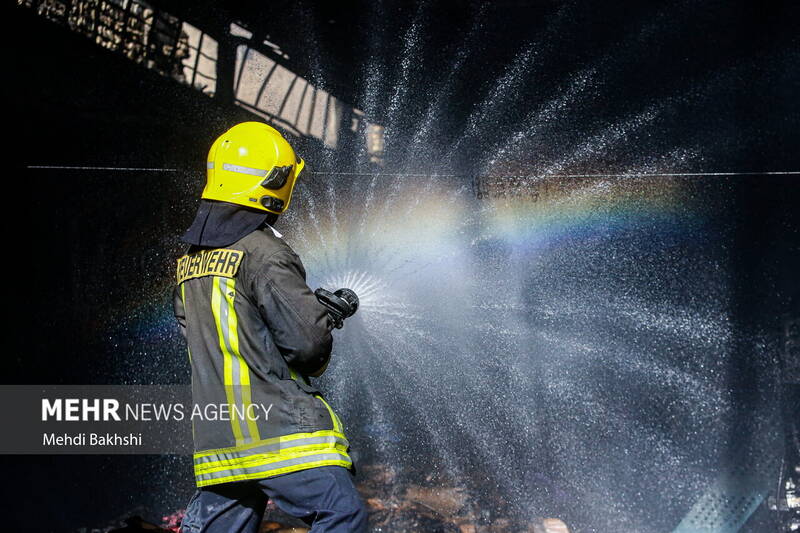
pixel 94 244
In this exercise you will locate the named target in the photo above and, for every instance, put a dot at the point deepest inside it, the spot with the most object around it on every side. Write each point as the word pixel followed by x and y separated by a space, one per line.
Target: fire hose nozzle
pixel 341 304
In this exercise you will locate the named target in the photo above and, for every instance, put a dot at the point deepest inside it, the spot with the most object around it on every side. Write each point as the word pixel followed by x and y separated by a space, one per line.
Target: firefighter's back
pixel 255 415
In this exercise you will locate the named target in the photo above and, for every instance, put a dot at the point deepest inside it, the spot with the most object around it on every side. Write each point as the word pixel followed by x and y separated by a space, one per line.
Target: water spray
pixel 446 175
pixel 341 304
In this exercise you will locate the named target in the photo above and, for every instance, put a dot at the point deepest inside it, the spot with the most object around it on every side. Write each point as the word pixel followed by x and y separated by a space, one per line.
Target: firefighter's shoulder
pixel 262 244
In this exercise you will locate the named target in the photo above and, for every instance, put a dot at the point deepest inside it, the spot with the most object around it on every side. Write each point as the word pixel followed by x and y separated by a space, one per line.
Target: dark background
pixel 94 245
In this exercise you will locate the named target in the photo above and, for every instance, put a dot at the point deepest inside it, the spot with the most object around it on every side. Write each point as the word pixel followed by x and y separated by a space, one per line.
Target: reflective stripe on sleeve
pixel 297 376
pixel 337 424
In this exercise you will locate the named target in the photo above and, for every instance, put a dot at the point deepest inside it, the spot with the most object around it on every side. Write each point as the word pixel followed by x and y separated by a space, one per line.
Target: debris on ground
pixel 434 506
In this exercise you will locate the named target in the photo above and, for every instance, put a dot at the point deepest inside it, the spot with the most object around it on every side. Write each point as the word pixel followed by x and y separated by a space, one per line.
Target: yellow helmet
pixel 252 165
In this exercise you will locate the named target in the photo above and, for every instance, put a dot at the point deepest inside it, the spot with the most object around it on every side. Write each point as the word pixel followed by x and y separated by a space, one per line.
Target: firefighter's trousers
pixel 323 497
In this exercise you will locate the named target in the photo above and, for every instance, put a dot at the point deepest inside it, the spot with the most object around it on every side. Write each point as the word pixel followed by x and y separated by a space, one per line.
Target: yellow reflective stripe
pixel 273 472
pixel 294 446
pixel 272 440
pixel 227 358
pixel 297 376
pixel 247 400
pixel 244 371
pixel 258 464
pixel 183 301
pixel 337 424
pixel 259 459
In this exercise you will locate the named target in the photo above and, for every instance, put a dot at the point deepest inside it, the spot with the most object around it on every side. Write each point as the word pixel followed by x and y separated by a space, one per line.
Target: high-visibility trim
pixel 274 472
pixel 227 367
pixel 284 449
pixel 209 164
pixel 272 467
pixel 271 457
pixel 297 376
pixel 337 424
pixel 236 373
pixel 261 462
pixel 183 301
pixel 260 172
pixel 243 370
pixel 282 439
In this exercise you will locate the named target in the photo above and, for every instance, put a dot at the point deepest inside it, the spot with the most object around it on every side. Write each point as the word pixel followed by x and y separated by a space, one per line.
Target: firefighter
pixel 255 333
